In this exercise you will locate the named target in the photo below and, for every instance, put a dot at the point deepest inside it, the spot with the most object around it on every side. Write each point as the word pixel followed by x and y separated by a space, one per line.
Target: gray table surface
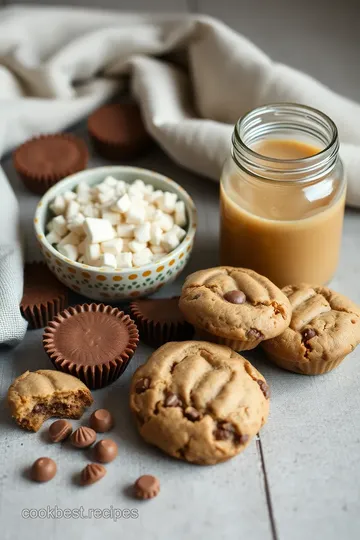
pixel 300 479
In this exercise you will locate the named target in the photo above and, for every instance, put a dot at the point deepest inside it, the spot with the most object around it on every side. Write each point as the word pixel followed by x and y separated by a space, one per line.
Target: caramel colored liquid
pixel 290 234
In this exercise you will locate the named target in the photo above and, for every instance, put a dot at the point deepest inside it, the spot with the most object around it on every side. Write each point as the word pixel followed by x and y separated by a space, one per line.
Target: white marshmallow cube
pixel 125 230
pixel 135 246
pixel 156 234
pixel 69 196
pixel 59 225
pixel 135 192
pixel 148 190
pixel 72 209
pixel 113 217
pixel 142 232
pixel 83 193
pixel 76 223
pixel 167 203
pixel 142 257
pixel 157 250
pixel 82 247
pixel 108 198
pixel 121 188
pixel 156 197
pixel 108 260
pixel 165 221
pixel 180 214
pixel 170 241
pixel 58 205
pixel 122 205
pixel 150 212
pixel 112 246
pixel 136 214
pixel 126 242
pixel 68 250
pixel 92 254
pixel 110 181
pixel 180 233
pixel 98 230
pixel 53 238
pixel 124 260
pixel 91 211
pixel 71 238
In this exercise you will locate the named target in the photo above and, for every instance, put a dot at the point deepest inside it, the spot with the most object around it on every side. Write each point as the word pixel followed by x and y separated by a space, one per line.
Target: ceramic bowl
pixel 106 285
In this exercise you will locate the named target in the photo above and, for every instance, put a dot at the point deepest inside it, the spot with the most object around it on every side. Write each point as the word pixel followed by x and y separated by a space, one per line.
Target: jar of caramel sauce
pixel 282 195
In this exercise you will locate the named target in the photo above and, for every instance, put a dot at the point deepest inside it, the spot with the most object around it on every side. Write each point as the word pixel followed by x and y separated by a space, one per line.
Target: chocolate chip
pixel 253 333
pixel 39 408
pixel 264 387
pixel 224 431
pixel 101 420
pixel 83 437
pixel 172 400
pixel 147 487
pixel 242 439
pixel 43 469
pixel 92 473
pixel 309 333
pixel 142 385
pixel 60 430
pixel 235 297
pixel 105 451
pixel 192 414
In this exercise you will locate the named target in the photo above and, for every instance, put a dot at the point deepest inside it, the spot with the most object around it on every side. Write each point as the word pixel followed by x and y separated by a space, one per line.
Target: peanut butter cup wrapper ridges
pixel 160 321
pixel 93 342
pixel 43 296
pixel 117 131
pixel 44 160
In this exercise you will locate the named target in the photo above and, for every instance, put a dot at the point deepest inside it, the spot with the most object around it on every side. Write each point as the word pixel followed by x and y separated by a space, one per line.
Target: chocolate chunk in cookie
pixel 36 396
pixel 206 410
pixel 234 306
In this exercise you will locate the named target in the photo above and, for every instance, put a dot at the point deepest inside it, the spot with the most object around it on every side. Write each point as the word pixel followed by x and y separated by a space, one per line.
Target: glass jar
pixel 283 195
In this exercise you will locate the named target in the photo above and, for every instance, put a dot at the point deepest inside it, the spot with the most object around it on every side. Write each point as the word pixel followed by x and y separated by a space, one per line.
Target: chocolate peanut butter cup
pixel 117 131
pixel 42 161
pixel 160 320
pixel 93 342
pixel 44 296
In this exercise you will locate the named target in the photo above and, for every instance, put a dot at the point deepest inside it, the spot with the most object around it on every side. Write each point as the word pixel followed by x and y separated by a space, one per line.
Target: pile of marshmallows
pixel 116 224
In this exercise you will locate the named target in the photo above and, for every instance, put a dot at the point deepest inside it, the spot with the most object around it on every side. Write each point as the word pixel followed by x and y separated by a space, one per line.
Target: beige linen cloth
pixel 192 75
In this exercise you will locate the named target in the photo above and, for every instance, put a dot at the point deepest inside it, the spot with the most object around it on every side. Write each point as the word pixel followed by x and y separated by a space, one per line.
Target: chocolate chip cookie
pixel 234 306
pixel 199 401
pixel 36 396
pixel 324 328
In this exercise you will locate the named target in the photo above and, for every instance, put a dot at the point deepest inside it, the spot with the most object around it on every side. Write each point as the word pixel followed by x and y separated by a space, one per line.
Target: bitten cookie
pixel 199 401
pixel 234 306
pixel 38 395
pixel 324 328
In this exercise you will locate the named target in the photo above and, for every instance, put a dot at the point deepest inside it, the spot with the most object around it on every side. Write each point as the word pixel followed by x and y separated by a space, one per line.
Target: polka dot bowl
pixel 106 285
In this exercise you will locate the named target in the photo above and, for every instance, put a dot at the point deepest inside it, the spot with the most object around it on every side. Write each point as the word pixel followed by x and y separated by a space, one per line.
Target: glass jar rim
pixel 310 166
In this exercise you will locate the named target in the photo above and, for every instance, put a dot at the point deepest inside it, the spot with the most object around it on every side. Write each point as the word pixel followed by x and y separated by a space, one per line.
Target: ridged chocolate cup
pixel 117 131
pixel 160 320
pixel 93 342
pixel 43 297
pixel 42 161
